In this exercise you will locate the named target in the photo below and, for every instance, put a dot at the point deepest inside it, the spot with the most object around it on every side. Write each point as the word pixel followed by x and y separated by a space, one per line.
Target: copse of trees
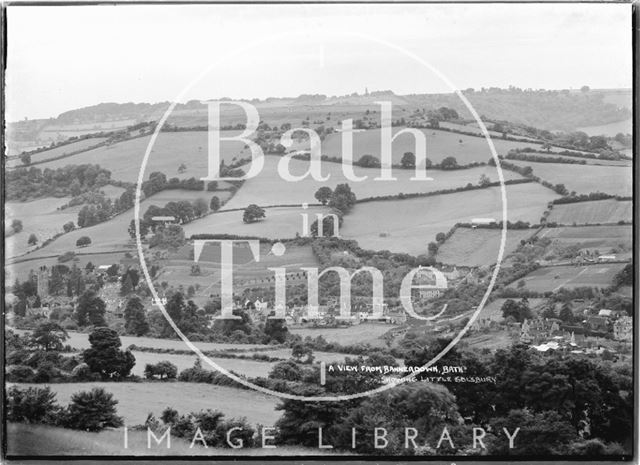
pixel 30 183
pixel 323 195
pixel 90 309
pixel 92 410
pixel 163 370
pixel 83 241
pixel 342 198
pixel 253 213
pixel 105 357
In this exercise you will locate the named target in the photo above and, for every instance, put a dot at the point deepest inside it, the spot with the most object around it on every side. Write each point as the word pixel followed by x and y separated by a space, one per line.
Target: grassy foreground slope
pixel 270 189
pixel 137 400
pixel 170 150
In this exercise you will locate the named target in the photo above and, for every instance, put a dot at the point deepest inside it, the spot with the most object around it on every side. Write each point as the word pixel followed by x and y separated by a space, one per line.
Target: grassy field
pixel 408 231
pixel 249 368
pixel 171 149
pixel 595 212
pixel 58 151
pixel 40 217
pixel 554 277
pixel 113 234
pixel 366 333
pixel 279 223
pixel 23 439
pixel 137 400
pixel 600 238
pixel 478 247
pixel 270 189
pixel 440 144
pixel 584 179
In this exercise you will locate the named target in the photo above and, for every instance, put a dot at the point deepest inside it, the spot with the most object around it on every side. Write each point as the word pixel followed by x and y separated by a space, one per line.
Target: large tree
pixel 323 194
pixel 90 309
pixel 253 213
pixel 135 318
pixel 48 336
pixel 105 357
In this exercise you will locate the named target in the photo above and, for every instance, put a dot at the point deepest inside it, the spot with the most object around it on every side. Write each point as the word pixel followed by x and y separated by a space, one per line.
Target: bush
pixel 287 370
pixel 31 405
pixel 20 374
pixel 92 411
pixel 83 241
pixel 163 369
pixel 82 372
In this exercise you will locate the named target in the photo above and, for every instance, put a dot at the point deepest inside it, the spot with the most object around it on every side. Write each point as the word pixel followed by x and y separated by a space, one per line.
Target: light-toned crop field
pixel 40 217
pixel 600 238
pixel 478 247
pixel 248 368
pixel 554 277
pixel 595 212
pixel 409 225
pixel 279 223
pixel 171 149
pixel 59 151
pixel 35 440
pixel 270 189
pixel 137 400
pixel 584 179
pixel 365 333
pixel 440 144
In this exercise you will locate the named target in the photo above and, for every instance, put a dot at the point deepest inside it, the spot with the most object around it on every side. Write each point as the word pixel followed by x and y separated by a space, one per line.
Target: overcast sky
pixel 61 58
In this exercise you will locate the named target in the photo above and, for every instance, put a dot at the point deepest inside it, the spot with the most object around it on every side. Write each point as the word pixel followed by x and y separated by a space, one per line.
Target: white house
pixel 475 222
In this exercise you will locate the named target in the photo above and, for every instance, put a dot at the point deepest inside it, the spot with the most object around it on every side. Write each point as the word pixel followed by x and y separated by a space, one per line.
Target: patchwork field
pixel 40 217
pixel 554 277
pixel 112 235
pixel 137 400
pixel 270 189
pixel 171 150
pixel 59 151
pixel 440 144
pixel 478 247
pixel 366 333
pixel 583 179
pixel 279 223
pixel 600 238
pixel 395 225
pixel 249 368
pixel 595 212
